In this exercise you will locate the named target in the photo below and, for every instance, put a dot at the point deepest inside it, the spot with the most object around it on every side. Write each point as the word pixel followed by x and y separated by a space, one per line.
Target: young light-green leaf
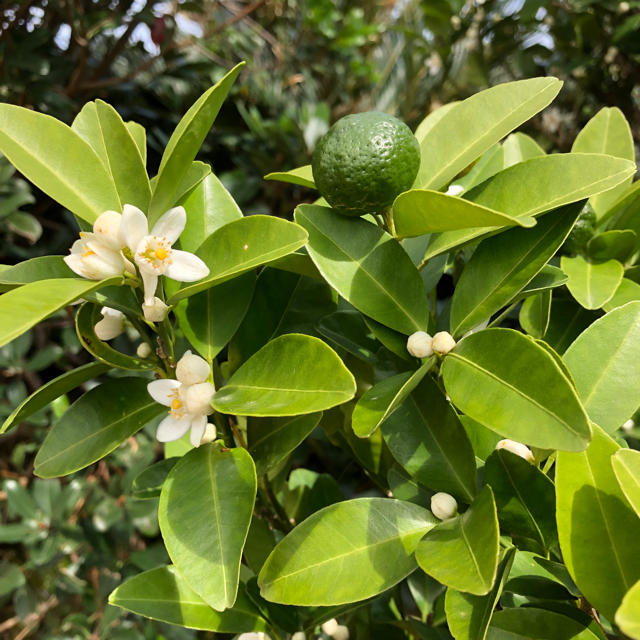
pixel 592 284
pixel 535 313
pixel 204 514
pixel 302 176
pixel 508 383
pixel 291 375
pixel 626 466
pixel 628 614
pixel 346 552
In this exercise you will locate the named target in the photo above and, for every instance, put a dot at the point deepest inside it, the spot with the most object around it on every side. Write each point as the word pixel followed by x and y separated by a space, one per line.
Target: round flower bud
pixel 330 626
pixel 341 633
pixel 209 433
pixel 628 425
pixel 419 345
pixel 299 635
pixel 516 447
pixel 143 350
pixel 443 342
pixel 454 190
pixel 192 369
pixel 156 311
pixel 111 325
pixel 444 506
pixel 198 398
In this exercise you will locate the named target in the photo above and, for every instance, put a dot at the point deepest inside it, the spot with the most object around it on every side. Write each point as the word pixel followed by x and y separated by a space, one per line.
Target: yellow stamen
pixel 161 253
pixel 176 404
pixel 88 253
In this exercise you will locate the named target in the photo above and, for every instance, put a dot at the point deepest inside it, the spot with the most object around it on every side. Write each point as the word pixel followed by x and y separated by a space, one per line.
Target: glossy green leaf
pixel 209 319
pixel 607 132
pixel 243 245
pixel 34 269
pixel 627 291
pixel 604 360
pixel 487 165
pixel 462 553
pixel 519 147
pixel 508 383
pixel 534 576
pixel 373 551
pixel 502 266
pixel 24 307
pixel 468 616
pixel 163 594
pixel 425 436
pixel 139 135
pixel 549 277
pixel 568 319
pixel 302 176
pixel 291 375
pixel 525 497
pixel 616 244
pixel 148 483
pixel 421 211
pixel 100 125
pixel 348 330
pixel 209 206
pixel 196 174
pixel 465 131
pixel 94 425
pixel 76 178
pixel 271 440
pixel 628 614
pixel 185 142
pixel 354 257
pixel 381 400
pixel 482 439
pixel 205 511
pixel 430 121
pixel 597 529
pixel 592 284
pixel 535 313
pixel 52 390
pixel 626 466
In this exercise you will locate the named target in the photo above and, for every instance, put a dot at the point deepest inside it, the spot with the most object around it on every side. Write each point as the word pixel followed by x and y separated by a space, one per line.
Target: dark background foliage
pixel 66 544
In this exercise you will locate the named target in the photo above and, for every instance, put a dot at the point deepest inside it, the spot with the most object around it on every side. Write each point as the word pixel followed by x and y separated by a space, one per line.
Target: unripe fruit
pixel 419 345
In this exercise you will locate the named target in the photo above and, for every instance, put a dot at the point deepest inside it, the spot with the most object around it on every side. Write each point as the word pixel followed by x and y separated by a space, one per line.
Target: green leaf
pixel 519 147
pixel 348 330
pixel 381 400
pixel 209 319
pixel 462 553
pixel 425 436
pixel 243 245
pixel 209 206
pixel 52 390
pixel 535 313
pixel 535 576
pixel 502 266
pixel 627 291
pixel 185 142
pixel 626 466
pixel 162 594
pixel 291 375
pixel 100 125
pixel 94 425
pixel 139 135
pixel 24 225
pixel 597 530
pixel 628 614
pixel 24 307
pixel 354 257
pixel 607 132
pixel 204 514
pixel 567 320
pixel 195 175
pixel 525 498
pixel 431 120
pixel 468 616
pixel 41 268
pixel 592 284
pixel 528 623
pixel 465 131
pixel 604 361
pixel 58 161
pixel 302 176
pixel 511 385
pixel 617 244
pixel 549 277
pixel 87 317
pixel 148 483
pixel 271 440
pixel 487 165
pixel 314 566
pixel 421 211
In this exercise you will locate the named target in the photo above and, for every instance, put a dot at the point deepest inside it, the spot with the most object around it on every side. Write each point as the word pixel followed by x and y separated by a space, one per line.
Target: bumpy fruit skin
pixel 583 230
pixel 364 161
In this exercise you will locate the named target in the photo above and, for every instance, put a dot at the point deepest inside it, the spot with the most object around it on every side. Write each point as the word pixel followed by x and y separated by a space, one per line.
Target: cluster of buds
pixel 421 345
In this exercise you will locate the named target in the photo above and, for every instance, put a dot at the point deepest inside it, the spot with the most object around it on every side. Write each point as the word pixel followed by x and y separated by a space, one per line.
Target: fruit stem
pixel 388 220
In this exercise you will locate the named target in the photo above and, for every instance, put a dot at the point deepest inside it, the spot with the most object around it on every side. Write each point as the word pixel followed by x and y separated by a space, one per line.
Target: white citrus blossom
pixel 111 325
pixel 419 344
pixel 443 506
pixel 188 399
pixel 443 342
pixel 153 251
pixel 156 311
pixel 518 448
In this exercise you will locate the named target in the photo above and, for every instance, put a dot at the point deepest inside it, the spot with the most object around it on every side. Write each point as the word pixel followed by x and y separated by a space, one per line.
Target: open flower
pixel 111 325
pixel 153 251
pixel 188 399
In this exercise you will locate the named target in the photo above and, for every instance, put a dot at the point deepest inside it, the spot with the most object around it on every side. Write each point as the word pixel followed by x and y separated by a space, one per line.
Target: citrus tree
pixel 469 341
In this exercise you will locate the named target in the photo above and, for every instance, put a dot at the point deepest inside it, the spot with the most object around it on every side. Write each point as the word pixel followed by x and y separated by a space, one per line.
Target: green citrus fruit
pixel 583 230
pixel 364 161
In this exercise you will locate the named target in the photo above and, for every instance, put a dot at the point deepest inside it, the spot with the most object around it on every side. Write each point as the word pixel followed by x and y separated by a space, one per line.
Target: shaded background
pixel 67 544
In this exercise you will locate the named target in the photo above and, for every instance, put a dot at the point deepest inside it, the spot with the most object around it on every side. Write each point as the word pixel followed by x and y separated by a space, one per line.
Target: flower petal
pixel 162 391
pixel 192 369
pixel 171 224
pixel 150 282
pixel 171 429
pixel 186 267
pixel 134 226
pixel 198 425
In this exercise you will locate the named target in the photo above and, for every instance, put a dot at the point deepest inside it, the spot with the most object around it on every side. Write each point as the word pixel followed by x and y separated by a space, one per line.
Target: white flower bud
pixel 628 425
pixel 156 311
pixel 143 350
pixel 419 345
pixel 192 369
pixel 341 633
pixel 330 626
pixel 299 635
pixel 209 433
pixel 518 448
pixel 253 635
pixel 197 398
pixel 111 325
pixel 443 506
pixel 454 190
pixel 443 342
